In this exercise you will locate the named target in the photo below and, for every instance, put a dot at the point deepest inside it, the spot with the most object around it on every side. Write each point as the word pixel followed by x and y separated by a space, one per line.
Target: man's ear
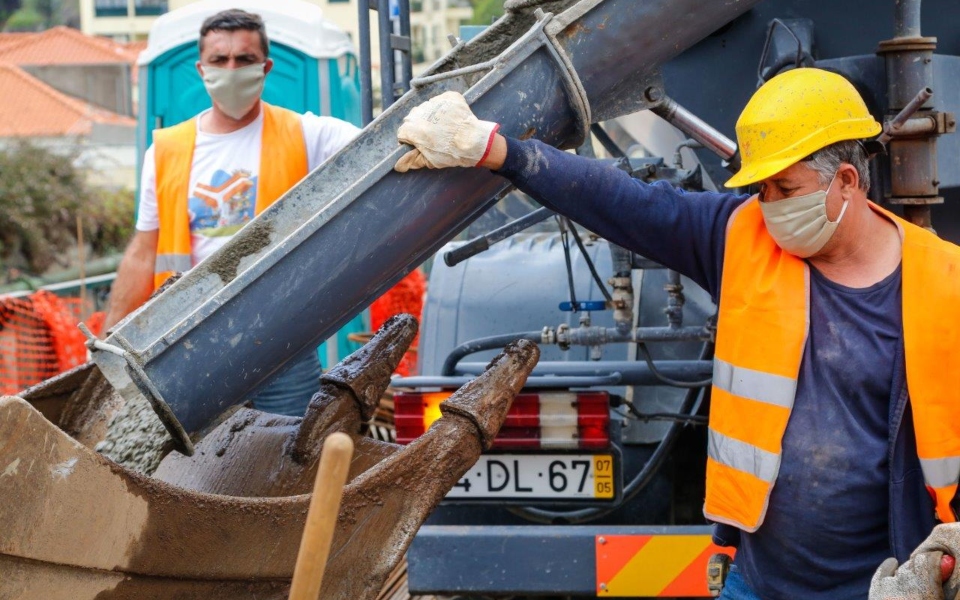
pixel 199 69
pixel 267 66
pixel 849 179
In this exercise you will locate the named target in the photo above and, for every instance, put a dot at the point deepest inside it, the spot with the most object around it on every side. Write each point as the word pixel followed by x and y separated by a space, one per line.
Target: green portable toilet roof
pixel 294 23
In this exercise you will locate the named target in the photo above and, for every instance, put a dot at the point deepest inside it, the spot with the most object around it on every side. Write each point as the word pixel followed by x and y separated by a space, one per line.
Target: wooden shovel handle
pixel 322 517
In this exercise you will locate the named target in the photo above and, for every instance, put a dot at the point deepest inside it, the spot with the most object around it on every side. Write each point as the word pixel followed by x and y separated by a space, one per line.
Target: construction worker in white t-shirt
pixel 207 177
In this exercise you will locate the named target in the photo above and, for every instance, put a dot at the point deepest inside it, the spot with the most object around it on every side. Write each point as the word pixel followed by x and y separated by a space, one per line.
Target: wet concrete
pixel 95 415
pixel 255 454
pixel 491 43
pixel 226 523
pixel 87 408
pixel 88 412
pixel 136 438
pixel 252 239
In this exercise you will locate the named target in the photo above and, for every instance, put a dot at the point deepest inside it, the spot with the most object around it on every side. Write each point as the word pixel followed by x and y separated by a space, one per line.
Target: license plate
pixel 539 476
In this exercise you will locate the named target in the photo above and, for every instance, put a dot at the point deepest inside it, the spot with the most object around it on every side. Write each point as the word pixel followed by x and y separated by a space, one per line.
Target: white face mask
pixel 235 91
pixel 800 225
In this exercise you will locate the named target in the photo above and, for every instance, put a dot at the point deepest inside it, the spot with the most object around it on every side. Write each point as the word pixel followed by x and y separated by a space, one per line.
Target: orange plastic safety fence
pixel 405 297
pixel 39 338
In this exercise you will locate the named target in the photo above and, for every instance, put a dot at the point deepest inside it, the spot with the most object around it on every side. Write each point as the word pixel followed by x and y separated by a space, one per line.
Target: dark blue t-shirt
pixel 826 527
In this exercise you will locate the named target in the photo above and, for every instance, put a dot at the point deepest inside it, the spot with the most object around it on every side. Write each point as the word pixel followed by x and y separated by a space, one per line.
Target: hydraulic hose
pixel 487 343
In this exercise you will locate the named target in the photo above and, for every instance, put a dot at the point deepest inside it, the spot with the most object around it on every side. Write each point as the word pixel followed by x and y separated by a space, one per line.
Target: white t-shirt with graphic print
pixel 223 178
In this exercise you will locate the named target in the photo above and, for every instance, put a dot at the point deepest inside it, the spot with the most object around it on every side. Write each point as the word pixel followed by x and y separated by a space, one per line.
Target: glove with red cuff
pixel 930 574
pixel 444 132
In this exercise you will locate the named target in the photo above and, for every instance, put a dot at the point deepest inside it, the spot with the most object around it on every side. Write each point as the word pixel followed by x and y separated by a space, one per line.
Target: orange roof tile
pixel 31 108
pixel 62 46
pixel 8 38
pixel 135 48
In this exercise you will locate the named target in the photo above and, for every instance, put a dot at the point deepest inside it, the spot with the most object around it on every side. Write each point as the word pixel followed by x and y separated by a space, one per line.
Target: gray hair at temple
pixel 826 161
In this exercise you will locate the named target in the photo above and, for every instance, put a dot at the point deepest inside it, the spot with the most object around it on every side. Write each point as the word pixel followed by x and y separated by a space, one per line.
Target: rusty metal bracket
pixel 897 126
pixel 907 44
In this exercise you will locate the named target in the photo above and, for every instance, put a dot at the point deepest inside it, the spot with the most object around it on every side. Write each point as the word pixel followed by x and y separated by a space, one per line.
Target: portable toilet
pixel 315 70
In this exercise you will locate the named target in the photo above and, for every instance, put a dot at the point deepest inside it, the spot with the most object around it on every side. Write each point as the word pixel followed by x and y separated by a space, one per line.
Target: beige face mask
pixel 234 90
pixel 800 225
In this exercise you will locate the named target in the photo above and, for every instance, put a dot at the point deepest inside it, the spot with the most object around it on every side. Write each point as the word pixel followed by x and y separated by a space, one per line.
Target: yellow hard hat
pixel 792 116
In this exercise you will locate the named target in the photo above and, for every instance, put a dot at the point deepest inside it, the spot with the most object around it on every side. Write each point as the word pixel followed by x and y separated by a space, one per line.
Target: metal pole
pixel 386 54
pixel 907 18
pixel 366 83
pixel 477 245
pixel 913 158
pixel 897 123
pixel 407 61
pixel 695 127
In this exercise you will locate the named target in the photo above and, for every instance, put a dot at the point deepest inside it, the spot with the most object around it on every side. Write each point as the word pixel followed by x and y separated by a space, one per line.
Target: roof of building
pixel 31 108
pixel 295 23
pixel 135 48
pixel 62 46
pixel 8 38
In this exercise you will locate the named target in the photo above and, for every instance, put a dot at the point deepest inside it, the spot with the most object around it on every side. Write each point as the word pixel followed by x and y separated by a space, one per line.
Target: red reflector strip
pixel 408 417
pixel 593 419
pixel 524 412
pixel 548 420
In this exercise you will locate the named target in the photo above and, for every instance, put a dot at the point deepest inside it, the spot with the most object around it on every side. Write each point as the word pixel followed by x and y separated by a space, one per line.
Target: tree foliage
pixel 7 8
pixel 41 195
pixel 26 19
pixel 37 15
pixel 486 12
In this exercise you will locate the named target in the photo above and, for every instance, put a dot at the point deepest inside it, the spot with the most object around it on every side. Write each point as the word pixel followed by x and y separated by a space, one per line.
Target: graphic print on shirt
pixel 222 207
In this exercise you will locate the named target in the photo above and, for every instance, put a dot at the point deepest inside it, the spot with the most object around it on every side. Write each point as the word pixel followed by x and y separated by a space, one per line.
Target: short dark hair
pixel 234 19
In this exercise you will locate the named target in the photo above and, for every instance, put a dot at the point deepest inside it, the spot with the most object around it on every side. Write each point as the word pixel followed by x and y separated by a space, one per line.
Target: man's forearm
pixel 129 291
pixel 134 282
pixel 684 231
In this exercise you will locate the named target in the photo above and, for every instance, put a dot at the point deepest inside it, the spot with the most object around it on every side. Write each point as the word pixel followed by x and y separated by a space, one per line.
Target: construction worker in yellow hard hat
pixel 827 306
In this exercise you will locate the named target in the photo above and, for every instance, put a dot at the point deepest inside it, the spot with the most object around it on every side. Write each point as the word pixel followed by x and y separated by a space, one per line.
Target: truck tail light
pixel 548 420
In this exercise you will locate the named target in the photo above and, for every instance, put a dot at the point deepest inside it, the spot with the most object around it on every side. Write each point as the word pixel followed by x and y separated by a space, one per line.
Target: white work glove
pixel 922 577
pixel 444 133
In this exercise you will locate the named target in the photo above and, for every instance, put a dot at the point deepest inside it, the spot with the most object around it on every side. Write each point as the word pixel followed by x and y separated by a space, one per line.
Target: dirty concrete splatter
pixel 254 238
pixel 495 39
pixel 11 468
pixel 64 469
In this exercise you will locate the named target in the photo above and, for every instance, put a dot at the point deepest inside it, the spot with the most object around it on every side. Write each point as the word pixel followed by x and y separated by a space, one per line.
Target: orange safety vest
pixel 762 329
pixel 283 162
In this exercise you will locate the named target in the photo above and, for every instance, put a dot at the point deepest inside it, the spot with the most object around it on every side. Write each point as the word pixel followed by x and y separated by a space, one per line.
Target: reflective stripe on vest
pixel 280 169
pixel 762 330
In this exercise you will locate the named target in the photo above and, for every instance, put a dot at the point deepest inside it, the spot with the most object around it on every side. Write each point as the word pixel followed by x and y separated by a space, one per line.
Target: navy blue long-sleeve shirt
pixel 684 231
pixel 849 492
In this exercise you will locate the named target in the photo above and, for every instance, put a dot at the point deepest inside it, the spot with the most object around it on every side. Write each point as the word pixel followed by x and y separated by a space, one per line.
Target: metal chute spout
pixel 354 227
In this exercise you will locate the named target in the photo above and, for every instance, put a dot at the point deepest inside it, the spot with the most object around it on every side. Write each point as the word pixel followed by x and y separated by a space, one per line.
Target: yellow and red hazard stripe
pixel 654 565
